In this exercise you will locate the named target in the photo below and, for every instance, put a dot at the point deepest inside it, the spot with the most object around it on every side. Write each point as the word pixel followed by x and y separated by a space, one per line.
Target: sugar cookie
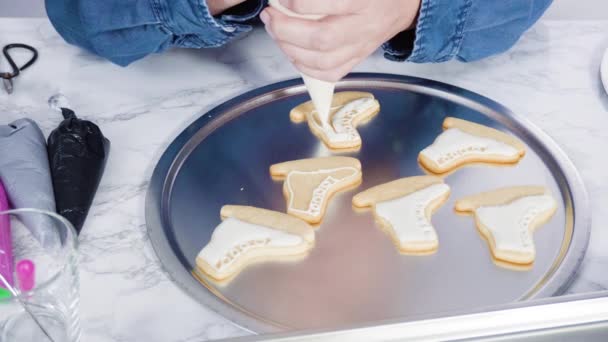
pixel 310 183
pixel 247 235
pixel 349 109
pixel 508 217
pixel 464 142
pixel 403 208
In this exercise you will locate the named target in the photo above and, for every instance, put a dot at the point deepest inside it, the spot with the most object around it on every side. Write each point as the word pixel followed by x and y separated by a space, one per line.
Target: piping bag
pixel 24 171
pixel 77 152
pixel 6 243
pixel 321 92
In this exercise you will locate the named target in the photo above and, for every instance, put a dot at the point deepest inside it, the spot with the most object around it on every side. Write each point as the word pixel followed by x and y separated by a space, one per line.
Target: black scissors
pixel 7 77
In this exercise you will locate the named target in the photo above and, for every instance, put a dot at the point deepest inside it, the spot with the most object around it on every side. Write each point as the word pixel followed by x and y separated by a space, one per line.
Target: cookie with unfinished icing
pixel 349 110
pixel 508 217
pixel 249 235
pixel 403 208
pixel 463 142
pixel 309 184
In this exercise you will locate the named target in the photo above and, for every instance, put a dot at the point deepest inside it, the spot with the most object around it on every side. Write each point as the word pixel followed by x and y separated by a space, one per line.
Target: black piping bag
pixel 78 152
pixel 24 170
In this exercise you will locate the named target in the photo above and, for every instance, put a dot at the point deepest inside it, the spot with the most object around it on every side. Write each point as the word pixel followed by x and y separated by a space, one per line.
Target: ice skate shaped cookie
pixel 248 235
pixel 508 217
pixel 309 184
pixel 463 142
pixel 403 208
pixel 349 109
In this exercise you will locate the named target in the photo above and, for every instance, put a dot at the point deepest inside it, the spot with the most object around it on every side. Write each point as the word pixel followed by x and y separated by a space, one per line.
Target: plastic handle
pixel 6 243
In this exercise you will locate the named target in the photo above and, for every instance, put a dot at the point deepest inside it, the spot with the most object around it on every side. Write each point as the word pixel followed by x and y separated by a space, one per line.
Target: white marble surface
pixel 551 76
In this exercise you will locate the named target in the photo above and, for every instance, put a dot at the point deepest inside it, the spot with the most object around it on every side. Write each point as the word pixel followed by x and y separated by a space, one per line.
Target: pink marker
pixel 26 275
pixel 6 244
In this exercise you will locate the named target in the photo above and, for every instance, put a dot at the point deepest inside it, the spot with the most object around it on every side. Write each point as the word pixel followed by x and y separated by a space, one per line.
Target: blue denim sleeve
pixel 466 30
pixel 124 31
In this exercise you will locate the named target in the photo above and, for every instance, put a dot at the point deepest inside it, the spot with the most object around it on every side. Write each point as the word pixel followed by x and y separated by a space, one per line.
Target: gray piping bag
pixel 24 170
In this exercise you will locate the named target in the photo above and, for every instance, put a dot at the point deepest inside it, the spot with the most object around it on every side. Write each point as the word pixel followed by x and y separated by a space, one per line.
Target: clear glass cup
pixel 41 305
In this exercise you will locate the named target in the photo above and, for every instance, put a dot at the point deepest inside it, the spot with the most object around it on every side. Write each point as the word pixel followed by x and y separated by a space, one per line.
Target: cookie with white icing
pixel 403 208
pixel 309 184
pixel 349 110
pixel 464 142
pixel 508 217
pixel 248 235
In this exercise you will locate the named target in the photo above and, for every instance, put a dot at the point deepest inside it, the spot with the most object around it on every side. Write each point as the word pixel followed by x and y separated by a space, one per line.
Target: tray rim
pixel 170 162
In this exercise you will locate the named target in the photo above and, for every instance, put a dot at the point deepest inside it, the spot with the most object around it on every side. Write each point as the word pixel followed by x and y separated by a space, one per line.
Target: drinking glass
pixel 39 286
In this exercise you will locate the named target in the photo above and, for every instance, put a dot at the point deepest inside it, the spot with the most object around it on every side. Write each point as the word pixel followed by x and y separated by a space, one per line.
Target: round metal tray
pixel 354 275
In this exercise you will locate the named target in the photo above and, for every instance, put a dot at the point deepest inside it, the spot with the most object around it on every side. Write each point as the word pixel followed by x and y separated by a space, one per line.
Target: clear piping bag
pixel 321 92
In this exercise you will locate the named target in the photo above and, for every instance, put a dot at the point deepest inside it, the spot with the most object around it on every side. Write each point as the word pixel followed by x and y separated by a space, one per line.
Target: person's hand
pixel 352 30
pixel 218 6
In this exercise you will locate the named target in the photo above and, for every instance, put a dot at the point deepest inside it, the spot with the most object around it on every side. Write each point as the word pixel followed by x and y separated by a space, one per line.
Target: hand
pixel 351 30
pixel 218 6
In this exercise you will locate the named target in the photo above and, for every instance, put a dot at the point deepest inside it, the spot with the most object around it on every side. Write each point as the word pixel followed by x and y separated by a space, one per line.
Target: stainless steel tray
pixel 355 275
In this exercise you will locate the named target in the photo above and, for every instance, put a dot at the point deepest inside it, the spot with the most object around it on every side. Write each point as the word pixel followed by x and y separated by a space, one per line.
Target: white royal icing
pixel 408 217
pixel 510 224
pixel 233 237
pixel 319 194
pixel 342 128
pixel 322 94
pixel 454 143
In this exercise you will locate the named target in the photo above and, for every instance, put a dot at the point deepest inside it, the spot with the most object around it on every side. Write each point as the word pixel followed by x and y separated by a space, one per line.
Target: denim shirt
pixel 124 31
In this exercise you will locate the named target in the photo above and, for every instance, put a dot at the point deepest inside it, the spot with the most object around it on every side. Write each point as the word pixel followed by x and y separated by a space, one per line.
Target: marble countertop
pixel 551 76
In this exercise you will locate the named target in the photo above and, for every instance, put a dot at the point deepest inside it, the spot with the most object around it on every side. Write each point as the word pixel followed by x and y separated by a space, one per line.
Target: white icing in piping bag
pixel 276 4
pixel 321 92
